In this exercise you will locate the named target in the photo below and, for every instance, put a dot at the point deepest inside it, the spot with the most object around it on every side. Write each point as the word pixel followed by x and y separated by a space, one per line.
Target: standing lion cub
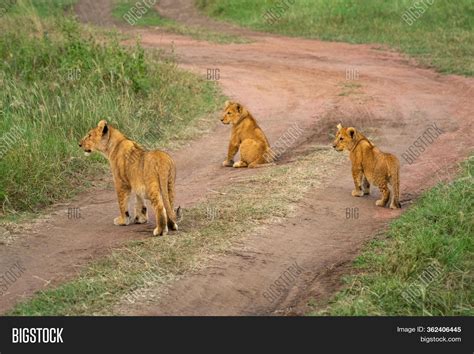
pixel 149 174
pixel 370 166
pixel 247 136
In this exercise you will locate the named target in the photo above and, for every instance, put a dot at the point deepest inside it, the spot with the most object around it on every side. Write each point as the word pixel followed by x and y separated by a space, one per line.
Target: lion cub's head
pixel 233 113
pixel 345 138
pixel 96 138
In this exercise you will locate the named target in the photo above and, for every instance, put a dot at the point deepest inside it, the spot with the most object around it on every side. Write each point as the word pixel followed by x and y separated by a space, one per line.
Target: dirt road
pixel 282 81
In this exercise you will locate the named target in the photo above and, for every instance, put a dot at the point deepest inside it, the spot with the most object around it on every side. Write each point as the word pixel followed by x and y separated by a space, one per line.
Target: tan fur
pixel 149 174
pixel 247 136
pixel 370 166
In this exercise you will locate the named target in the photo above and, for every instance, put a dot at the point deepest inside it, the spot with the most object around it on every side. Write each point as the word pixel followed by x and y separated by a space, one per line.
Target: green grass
pixel 207 229
pixel 43 8
pixel 58 80
pixel 151 17
pixel 423 265
pixel 442 37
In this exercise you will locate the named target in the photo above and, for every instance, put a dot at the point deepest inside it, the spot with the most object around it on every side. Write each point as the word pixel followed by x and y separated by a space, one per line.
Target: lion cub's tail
pixel 395 181
pixel 269 156
pixel 179 213
pixel 267 159
pixel 263 165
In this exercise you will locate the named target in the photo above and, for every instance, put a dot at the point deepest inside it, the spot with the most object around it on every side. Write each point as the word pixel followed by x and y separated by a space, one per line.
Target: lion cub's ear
pixel 239 107
pixel 352 132
pixel 227 104
pixel 103 125
pixel 339 126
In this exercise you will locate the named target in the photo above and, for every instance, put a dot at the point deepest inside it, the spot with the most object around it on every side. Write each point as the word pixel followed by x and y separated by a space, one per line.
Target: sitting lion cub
pixel 149 174
pixel 247 136
pixel 370 166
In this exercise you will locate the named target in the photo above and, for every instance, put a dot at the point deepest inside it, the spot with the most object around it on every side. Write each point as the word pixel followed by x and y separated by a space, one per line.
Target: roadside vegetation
pixel 58 80
pixel 440 35
pixel 423 265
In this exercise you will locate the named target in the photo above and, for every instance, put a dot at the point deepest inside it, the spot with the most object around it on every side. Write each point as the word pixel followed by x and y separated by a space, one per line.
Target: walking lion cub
pixel 247 136
pixel 370 166
pixel 149 174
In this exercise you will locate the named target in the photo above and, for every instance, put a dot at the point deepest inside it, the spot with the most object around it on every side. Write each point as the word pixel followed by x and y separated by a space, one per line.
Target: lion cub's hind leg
pixel 251 154
pixel 385 195
pixel 172 225
pixel 160 212
pixel 394 203
pixel 365 185
pixel 168 201
pixel 140 211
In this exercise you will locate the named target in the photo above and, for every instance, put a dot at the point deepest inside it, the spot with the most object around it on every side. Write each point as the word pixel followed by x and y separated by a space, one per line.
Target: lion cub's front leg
pixel 240 164
pixel 233 148
pixel 228 163
pixel 357 175
pixel 123 194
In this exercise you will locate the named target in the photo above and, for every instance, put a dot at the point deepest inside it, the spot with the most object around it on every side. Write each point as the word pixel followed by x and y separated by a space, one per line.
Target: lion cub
pixel 370 166
pixel 149 174
pixel 247 136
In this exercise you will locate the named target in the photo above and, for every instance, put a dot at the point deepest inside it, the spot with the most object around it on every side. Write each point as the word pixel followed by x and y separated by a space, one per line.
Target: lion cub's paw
pixel 158 232
pixel 141 219
pixel 240 164
pixel 122 221
pixel 380 203
pixel 356 193
pixel 228 163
